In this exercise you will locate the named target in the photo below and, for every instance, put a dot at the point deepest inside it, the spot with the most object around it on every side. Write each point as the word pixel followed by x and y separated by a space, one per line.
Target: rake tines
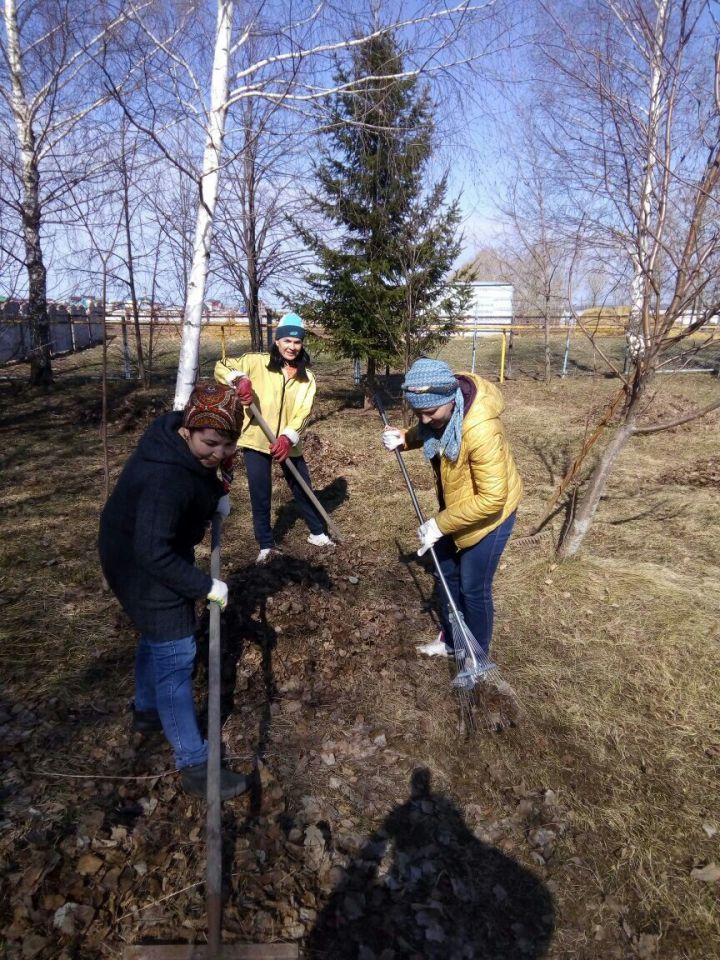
pixel 480 685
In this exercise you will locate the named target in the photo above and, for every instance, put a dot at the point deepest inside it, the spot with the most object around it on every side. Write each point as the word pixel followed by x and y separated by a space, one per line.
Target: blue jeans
pixel 258 467
pixel 469 574
pixel 163 682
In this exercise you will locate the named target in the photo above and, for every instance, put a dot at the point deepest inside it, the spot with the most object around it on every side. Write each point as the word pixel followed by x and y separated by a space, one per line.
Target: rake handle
pixel 401 462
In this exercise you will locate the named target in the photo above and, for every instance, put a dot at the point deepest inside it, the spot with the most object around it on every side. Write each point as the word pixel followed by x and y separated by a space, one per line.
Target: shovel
pixel 265 427
pixel 214 949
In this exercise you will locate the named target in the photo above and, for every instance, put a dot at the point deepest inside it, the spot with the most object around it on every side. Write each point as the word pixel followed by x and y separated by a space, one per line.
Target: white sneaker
pixel 320 540
pixel 436 648
pixel 266 555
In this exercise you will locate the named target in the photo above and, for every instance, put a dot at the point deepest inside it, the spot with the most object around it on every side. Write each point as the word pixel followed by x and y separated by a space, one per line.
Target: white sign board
pixel 491 302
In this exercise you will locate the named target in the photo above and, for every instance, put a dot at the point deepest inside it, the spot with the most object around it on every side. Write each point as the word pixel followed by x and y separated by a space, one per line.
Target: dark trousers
pixel 258 467
pixel 469 574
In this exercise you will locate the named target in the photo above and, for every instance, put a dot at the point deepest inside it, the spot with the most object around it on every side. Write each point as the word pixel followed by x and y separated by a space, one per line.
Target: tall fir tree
pixel 383 289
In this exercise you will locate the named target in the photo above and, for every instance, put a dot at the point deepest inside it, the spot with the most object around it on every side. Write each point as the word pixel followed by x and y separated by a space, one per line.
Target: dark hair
pixel 231 434
pixel 276 363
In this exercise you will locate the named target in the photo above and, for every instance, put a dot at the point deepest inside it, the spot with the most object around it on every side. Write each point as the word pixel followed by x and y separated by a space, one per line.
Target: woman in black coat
pixel 158 512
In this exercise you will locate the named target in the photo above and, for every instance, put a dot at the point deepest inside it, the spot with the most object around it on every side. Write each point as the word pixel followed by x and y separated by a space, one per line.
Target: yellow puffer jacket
pixel 482 487
pixel 285 404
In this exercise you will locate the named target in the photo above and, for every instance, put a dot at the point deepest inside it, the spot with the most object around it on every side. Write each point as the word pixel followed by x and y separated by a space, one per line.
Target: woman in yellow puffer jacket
pixel 479 488
pixel 283 388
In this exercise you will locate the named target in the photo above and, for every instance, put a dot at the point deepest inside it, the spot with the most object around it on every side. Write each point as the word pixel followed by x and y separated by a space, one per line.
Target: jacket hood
pixel 161 443
pixel 487 402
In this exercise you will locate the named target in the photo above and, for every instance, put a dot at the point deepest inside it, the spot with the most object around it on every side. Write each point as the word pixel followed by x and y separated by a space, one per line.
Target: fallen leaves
pixel 707 874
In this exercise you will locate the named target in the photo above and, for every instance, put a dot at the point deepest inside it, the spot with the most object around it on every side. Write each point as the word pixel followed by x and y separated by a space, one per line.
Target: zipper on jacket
pixel 282 401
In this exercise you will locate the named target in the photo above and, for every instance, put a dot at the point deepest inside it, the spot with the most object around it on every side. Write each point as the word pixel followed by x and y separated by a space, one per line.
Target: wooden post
pixel 503 348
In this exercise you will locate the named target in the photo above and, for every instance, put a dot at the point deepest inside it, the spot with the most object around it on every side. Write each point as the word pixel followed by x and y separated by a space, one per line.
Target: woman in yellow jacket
pixel 479 488
pixel 283 389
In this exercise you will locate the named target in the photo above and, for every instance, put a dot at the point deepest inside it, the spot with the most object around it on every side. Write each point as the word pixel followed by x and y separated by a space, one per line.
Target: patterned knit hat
pixel 429 384
pixel 291 325
pixel 211 405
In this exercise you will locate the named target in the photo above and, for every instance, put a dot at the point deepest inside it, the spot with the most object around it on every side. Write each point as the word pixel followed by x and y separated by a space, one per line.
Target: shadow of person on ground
pixel 246 622
pixel 330 496
pixel 425 887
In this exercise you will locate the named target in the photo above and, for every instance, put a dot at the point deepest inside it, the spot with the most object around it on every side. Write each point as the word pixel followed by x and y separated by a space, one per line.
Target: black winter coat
pixel 155 516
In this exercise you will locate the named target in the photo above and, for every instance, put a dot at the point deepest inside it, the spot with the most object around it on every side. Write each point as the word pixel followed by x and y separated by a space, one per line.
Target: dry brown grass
pixel 615 655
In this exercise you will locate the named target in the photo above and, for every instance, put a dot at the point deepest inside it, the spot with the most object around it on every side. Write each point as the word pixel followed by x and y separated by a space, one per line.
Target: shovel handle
pixel 265 427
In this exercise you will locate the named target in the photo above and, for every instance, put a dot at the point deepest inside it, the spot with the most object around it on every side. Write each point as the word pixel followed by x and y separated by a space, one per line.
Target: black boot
pixel 193 780
pixel 145 721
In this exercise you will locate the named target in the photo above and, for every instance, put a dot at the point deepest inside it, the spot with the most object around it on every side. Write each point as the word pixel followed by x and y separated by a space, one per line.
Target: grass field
pixel 605 798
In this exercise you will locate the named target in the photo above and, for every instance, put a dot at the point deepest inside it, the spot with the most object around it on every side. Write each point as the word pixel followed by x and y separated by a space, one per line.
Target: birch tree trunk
pixel 189 361
pixel 40 362
pixel 637 332
pixel 587 504
pixel 587 507
pixel 546 334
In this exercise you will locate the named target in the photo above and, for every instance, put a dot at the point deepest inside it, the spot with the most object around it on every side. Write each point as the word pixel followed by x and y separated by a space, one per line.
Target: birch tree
pixel 294 75
pixel 47 63
pixel 635 129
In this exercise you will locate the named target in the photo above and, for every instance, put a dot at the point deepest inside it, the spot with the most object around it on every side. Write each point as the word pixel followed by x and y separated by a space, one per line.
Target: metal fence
pixel 71 329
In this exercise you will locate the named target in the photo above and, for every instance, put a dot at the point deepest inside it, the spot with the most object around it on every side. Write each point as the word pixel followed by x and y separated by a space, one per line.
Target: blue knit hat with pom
pixel 291 325
pixel 429 384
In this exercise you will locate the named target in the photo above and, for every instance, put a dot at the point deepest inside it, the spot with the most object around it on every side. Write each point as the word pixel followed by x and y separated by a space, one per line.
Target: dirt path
pixel 375 830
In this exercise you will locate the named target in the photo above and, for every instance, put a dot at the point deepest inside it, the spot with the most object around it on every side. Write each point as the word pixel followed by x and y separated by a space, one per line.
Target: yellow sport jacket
pixel 482 487
pixel 285 404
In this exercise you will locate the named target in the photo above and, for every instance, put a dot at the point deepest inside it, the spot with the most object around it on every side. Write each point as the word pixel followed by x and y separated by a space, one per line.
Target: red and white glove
pixel 280 450
pixel 393 438
pixel 243 390
pixel 429 534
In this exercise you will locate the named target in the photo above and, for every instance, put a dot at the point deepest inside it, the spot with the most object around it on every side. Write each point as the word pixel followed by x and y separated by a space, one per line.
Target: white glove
pixel 393 438
pixel 429 534
pixel 223 506
pixel 218 594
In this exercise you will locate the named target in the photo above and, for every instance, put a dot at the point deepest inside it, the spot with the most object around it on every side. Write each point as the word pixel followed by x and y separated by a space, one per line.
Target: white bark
pixel 637 329
pixel 188 363
pixel 40 363
pixel 655 145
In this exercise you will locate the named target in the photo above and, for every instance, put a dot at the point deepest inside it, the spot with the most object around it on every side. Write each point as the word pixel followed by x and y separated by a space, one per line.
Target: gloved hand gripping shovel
pixel 333 529
pixel 476 673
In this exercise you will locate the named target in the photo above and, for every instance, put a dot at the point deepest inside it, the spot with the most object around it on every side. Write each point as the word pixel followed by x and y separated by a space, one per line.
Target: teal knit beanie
pixel 291 325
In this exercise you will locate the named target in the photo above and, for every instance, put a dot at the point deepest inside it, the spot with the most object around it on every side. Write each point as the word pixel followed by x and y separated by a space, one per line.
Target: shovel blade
pixel 201 951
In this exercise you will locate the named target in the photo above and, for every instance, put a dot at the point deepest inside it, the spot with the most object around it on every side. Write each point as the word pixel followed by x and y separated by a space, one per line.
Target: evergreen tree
pixel 382 287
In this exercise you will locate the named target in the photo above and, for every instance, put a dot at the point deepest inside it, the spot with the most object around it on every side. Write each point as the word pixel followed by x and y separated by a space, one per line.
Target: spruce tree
pixel 382 287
